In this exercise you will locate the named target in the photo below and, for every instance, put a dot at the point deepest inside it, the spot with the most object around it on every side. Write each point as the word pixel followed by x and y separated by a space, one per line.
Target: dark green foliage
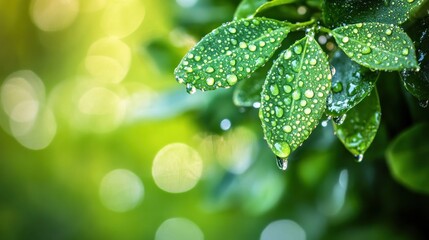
pixel 297 89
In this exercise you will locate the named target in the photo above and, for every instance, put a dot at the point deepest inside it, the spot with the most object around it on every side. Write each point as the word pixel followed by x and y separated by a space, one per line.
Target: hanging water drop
pixel 282 163
pixel 325 122
pixel 190 88
pixel 340 120
pixel 359 158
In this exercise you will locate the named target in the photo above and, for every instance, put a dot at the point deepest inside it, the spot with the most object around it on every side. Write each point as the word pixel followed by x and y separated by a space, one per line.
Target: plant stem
pixel 302 25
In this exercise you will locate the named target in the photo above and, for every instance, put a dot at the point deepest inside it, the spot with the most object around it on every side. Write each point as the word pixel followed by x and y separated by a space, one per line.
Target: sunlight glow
pixel 177 168
pixel 179 229
pixel 121 190
pixel 54 15
pixel 23 100
pixel 122 18
pixel 108 60
pixel 283 230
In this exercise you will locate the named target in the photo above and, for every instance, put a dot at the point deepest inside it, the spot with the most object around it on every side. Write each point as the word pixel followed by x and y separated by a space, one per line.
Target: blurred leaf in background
pixel 99 142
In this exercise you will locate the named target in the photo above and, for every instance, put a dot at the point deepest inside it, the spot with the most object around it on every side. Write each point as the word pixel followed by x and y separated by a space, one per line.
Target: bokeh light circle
pixel 121 18
pixel 177 168
pixel 121 190
pixel 283 230
pixel 23 101
pixel 54 15
pixel 179 229
pixel 108 60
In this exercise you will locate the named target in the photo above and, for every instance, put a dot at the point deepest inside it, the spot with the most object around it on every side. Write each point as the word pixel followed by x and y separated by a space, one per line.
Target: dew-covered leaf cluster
pixel 364 40
pixel 230 53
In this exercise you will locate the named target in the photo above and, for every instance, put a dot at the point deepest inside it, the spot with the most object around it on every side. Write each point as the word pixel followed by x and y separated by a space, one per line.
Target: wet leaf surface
pixel 377 46
pixel 360 125
pixel 294 96
pixel 340 12
pixel 417 83
pixel 351 83
pixel 230 53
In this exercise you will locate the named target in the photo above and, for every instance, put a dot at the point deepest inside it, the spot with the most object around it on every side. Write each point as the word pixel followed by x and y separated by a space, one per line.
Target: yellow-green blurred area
pixel 98 141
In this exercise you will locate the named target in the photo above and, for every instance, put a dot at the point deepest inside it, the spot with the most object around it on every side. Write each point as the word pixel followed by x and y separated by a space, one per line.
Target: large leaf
pixel 377 45
pixel 294 96
pixel 351 83
pixel 247 8
pixel 417 83
pixel 360 126
pixel 408 159
pixel 340 12
pixel 230 53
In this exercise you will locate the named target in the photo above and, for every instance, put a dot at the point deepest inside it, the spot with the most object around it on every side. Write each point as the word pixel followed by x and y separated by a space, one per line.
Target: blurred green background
pixel 98 141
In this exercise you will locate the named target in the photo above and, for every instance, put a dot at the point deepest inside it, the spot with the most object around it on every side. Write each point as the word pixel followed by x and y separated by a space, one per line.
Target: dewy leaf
pixel 360 125
pixel 376 45
pixel 247 93
pixel 247 8
pixel 230 53
pixel 294 96
pixel 417 83
pixel 340 12
pixel 407 157
pixel 351 83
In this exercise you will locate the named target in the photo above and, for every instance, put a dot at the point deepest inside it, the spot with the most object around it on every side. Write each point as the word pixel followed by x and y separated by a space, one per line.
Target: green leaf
pixel 341 12
pixel 351 83
pixel 360 126
pixel 247 93
pixel 247 8
pixel 272 4
pixel 294 96
pixel 408 160
pixel 377 45
pixel 417 83
pixel 230 53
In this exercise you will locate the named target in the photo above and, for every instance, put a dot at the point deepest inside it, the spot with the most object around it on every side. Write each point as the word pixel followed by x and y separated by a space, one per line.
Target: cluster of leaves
pixel 309 79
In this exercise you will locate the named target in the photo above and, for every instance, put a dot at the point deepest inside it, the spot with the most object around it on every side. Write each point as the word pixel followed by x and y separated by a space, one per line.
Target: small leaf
pixel 351 83
pixel 360 125
pixel 230 53
pixel 294 96
pixel 272 4
pixel 417 83
pixel 247 93
pixel 377 45
pixel 340 12
pixel 408 160
pixel 247 8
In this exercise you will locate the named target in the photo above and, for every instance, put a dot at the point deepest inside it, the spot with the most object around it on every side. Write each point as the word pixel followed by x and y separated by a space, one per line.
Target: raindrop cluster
pixel 294 95
pixel 230 53
pixel 377 45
